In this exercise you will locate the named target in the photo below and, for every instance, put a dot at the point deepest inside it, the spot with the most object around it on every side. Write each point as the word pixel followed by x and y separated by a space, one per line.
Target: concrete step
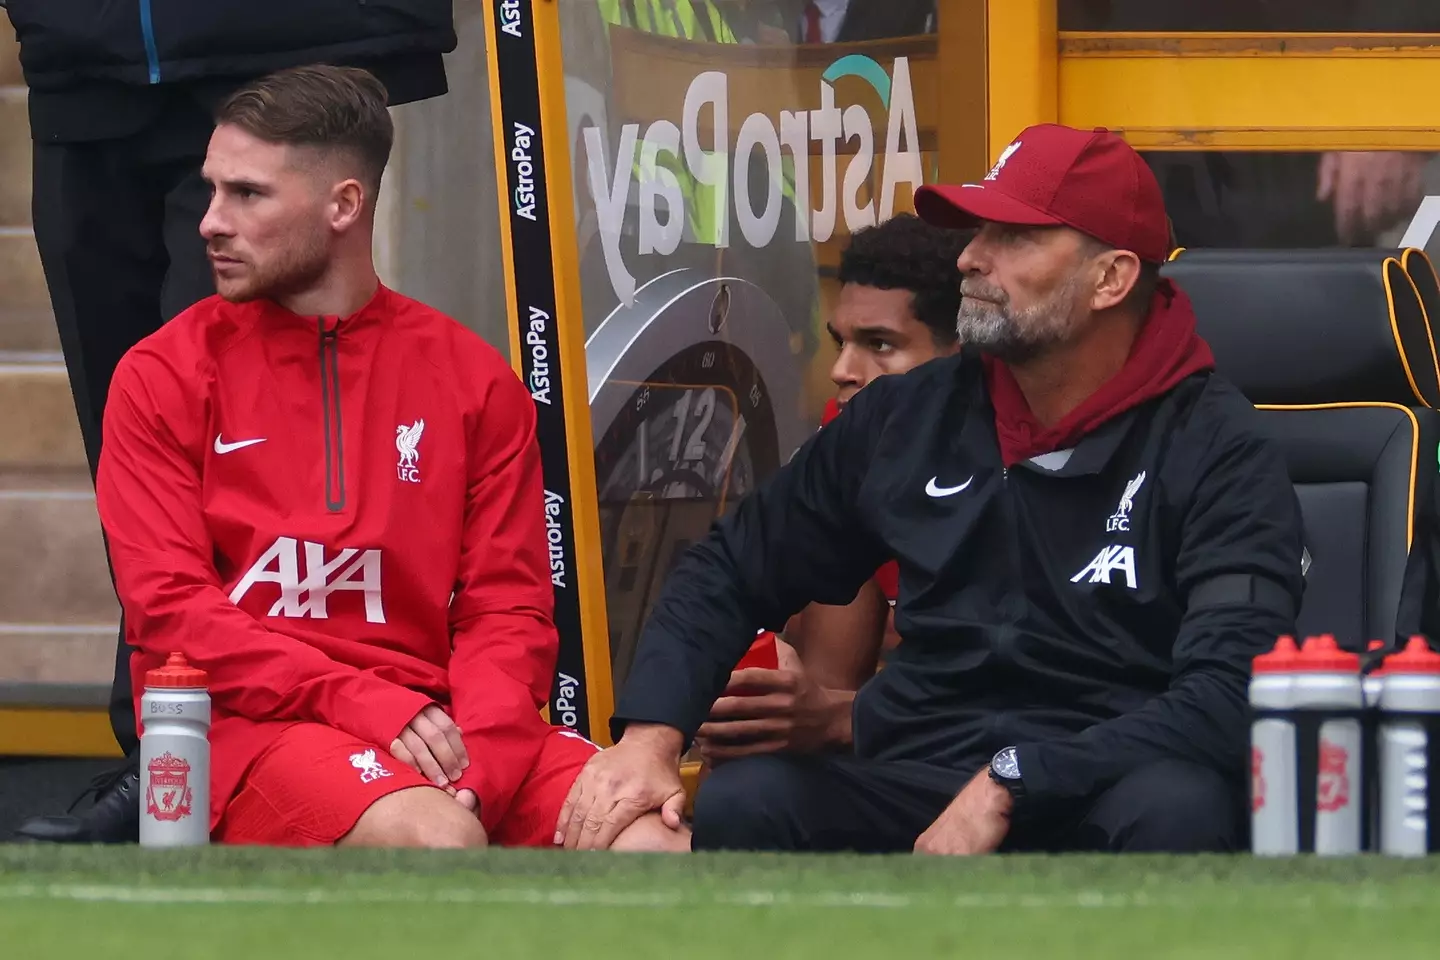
pixel 52 553
pixel 14 158
pixel 39 430
pixel 75 656
pixel 22 282
pixel 28 333
pixel 9 59
pixel 58 612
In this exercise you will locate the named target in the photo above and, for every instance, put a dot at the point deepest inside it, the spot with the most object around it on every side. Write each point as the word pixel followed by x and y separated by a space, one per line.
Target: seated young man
pixel 328 496
pixel 1094 540
pixel 899 296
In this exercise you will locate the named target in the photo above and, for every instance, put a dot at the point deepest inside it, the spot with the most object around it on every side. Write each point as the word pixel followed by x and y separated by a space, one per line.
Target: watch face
pixel 1006 764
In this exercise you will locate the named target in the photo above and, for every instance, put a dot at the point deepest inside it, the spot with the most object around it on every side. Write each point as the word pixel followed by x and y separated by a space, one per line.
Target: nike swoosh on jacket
pixel 312 575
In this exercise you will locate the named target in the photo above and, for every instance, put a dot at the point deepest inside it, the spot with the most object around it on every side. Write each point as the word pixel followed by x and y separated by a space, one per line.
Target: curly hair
pixel 906 253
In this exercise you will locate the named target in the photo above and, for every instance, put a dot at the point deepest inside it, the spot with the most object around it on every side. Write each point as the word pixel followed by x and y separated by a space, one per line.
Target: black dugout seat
pixel 1335 349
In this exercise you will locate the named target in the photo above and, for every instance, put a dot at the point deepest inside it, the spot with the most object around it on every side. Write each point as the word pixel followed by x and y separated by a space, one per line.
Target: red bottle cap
pixel 1417 657
pixel 762 653
pixel 176 675
pixel 1323 655
pixel 1282 659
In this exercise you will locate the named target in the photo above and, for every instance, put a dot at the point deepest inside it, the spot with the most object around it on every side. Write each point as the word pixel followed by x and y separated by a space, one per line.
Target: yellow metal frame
pixel 1254 91
pixel 1206 91
pixel 1021 75
pixel 589 577
pixel 56 732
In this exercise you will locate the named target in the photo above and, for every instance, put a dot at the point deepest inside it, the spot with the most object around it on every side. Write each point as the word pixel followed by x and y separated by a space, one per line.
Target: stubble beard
pixel 296 268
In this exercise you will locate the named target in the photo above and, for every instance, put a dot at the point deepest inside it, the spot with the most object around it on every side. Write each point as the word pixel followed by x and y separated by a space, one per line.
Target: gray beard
pixel 1015 337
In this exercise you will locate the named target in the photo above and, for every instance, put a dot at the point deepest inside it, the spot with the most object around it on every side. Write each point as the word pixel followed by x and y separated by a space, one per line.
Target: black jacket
pixel 65 42
pixel 1099 614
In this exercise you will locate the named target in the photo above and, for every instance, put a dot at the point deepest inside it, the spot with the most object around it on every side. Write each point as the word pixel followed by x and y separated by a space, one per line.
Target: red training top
pixel 340 521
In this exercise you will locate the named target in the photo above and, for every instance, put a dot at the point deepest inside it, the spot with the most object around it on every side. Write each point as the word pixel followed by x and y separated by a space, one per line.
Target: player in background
pixel 328 496
pixel 899 296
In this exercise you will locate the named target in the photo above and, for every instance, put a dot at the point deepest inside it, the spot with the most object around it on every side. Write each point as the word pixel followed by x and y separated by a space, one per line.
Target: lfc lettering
pixel 308 596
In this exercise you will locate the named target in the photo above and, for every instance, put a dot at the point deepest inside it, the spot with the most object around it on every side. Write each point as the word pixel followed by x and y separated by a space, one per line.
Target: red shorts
pixel 310 787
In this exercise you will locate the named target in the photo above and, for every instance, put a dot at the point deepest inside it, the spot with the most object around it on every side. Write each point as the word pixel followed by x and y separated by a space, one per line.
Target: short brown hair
pixel 329 108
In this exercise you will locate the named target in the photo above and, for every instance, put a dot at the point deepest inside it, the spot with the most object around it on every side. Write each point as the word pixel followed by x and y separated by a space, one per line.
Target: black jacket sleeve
pixel 1238 566
pixel 799 538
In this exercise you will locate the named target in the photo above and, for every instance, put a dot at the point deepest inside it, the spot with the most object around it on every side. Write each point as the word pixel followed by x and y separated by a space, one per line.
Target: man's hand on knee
pixel 639 774
pixel 432 744
pixel 976 821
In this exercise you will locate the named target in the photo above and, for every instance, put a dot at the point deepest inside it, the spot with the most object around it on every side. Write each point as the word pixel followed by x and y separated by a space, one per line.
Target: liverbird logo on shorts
pixel 369 767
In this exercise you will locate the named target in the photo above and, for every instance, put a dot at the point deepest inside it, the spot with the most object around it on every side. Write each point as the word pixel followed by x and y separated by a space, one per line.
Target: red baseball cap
pixel 1090 180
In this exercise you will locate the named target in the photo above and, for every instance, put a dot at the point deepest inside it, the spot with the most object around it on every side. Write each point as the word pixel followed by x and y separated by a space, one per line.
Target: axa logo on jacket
pixel 351 569
pixel 1116 558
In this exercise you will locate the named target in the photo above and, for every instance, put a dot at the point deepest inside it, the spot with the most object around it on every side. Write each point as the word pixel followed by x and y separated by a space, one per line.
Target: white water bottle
pixel 1410 720
pixel 175 757
pixel 1274 827
pixel 1306 746
pixel 1327 681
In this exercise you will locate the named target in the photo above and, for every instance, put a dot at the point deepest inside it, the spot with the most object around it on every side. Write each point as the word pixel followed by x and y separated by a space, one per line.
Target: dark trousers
pixel 117 224
pixel 844 803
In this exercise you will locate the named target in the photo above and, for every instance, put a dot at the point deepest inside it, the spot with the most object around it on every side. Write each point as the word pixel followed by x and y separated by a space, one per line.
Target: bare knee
pixel 650 835
pixel 416 817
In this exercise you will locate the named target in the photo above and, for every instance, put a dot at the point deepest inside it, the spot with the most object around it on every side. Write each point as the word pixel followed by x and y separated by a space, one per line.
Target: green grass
pixel 233 903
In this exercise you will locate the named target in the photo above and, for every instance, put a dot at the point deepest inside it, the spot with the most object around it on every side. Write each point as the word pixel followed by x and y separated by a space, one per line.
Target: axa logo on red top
pixel 308 595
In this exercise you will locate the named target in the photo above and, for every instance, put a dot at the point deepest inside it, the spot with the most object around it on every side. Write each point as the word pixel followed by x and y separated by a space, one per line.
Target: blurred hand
pixel 768 711
pixel 432 744
pixel 1371 190
pixel 620 785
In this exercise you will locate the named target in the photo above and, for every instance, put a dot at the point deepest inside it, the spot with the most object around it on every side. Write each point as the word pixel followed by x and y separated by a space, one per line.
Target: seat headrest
pixel 1314 326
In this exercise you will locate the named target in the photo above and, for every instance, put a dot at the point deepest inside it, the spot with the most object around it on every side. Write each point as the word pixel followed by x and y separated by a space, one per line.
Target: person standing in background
pixel 121 97
pixel 1277 198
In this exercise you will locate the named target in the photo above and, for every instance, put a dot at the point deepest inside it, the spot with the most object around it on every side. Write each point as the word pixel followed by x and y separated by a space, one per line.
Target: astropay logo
pixel 522 140
pixel 565 702
pixel 555 537
pixel 537 341
pixel 350 570
pixel 707 159
pixel 510 18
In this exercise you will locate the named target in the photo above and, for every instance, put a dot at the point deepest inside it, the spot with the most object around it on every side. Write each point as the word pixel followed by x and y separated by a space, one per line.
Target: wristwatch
pixel 1005 770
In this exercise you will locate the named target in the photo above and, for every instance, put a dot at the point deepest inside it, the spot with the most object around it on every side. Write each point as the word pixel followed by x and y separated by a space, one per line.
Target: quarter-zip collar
pixel 379 307
pixel 326 336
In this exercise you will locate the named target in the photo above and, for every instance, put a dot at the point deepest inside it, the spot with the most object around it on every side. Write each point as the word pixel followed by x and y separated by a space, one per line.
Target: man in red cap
pixel 1093 542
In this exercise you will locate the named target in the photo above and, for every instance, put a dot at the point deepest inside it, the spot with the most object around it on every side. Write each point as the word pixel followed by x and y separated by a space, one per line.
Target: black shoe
pixel 115 817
